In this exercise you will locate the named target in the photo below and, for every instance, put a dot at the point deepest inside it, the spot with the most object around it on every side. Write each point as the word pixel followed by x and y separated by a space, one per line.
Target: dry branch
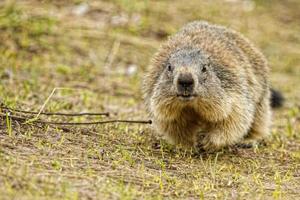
pixel 55 113
pixel 24 119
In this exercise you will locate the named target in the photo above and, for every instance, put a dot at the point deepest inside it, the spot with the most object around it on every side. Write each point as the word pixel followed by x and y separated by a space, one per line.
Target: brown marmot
pixel 208 86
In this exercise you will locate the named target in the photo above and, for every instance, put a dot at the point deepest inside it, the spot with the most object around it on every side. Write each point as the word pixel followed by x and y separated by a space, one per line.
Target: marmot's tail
pixel 277 98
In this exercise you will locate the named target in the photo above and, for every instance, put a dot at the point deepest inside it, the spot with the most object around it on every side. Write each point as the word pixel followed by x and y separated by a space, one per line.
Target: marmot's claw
pixel 245 145
pixel 207 146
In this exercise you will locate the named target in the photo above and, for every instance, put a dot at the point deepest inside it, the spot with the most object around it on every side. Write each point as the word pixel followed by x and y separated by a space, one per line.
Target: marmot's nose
pixel 185 82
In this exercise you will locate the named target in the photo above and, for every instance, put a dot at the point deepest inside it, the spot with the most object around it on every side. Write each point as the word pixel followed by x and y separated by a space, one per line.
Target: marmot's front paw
pixel 210 143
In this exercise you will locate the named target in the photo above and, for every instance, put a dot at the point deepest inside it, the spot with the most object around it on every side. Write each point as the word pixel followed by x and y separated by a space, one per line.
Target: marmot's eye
pixel 169 67
pixel 204 69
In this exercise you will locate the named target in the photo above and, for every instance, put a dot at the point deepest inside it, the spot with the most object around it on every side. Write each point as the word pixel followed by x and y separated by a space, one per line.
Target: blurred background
pixel 98 51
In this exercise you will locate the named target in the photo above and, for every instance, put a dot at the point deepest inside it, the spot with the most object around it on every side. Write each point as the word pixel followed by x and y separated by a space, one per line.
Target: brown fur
pixel 234 102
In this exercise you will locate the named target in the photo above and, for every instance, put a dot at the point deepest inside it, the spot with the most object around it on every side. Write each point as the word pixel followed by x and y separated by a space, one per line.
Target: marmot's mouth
pixel 186 96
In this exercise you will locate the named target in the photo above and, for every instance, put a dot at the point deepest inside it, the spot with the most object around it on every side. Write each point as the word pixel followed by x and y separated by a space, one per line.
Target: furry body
pixel 225 98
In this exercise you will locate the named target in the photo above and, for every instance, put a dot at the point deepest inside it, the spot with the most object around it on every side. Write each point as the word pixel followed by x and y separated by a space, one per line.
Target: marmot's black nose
pixel 185 83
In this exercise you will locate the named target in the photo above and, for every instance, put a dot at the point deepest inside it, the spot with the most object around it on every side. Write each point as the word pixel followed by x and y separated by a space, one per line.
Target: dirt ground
pixel 95 53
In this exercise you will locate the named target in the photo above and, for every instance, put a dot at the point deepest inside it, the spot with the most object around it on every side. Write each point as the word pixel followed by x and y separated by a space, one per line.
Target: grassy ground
pixel 101 50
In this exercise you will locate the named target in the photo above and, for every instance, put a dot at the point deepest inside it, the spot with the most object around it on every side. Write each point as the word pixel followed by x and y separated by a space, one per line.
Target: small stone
pixel 81 9
pixel 131 70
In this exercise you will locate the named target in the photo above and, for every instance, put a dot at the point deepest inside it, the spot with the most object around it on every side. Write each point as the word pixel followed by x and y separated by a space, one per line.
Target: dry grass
pixel 102 54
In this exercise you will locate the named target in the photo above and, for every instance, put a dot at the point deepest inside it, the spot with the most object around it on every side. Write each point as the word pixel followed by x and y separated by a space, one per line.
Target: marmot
pixel 208 86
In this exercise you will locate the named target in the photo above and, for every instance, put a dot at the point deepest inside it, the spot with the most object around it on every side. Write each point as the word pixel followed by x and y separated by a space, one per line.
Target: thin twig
pixel 45 103
pixel 47 100
pixel 14 117
pixel 55 113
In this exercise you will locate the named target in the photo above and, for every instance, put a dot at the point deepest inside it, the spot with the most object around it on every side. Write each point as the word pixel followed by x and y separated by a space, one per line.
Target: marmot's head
pixel 188 74
pixel 190 78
